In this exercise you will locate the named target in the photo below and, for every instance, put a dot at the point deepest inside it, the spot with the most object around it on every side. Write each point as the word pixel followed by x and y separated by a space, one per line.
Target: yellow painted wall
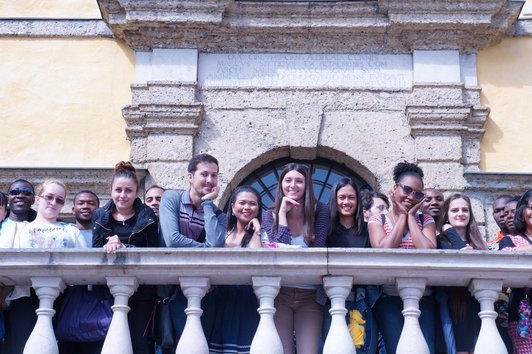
pixel 72 9
pixel 61 102
pixel 505 76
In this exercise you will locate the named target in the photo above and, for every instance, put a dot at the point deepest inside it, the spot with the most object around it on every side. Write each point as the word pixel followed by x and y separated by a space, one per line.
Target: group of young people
pixel 419 218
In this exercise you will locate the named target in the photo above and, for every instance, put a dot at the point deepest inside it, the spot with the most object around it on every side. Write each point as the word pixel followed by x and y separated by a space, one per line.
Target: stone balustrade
pixel 266 269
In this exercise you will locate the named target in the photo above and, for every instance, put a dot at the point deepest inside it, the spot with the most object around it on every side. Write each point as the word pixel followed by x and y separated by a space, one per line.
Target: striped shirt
pixel 406 241
pixel 191 219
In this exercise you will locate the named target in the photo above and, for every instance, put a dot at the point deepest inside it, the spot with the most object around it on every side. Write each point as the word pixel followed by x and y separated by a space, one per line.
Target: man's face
pixel 509 215
pixel 498 212
pixel 84 206
pixel 433 203
pixel 204 179
pixel 153 199
pixel 20 198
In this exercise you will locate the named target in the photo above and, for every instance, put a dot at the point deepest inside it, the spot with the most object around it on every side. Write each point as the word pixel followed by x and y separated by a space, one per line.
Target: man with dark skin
pixel 433 203
pixel 498 215
pixel 20 198
pixel 84 205
pixel 509 214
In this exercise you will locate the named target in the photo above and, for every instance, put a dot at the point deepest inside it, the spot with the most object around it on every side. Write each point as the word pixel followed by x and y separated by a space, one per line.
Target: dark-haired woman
pixel 520 308
pixel 126 222
pixel 405 228
pixel 297 219
pixel 459 230
pixel 236 318
pixel 348 229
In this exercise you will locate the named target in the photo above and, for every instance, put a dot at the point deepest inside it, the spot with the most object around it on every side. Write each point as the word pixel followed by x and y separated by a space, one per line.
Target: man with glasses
pixel 20 197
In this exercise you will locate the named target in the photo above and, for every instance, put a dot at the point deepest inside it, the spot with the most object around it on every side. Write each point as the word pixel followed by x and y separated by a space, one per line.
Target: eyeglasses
pixel 28 192
pixel 409 190
pixel 50 198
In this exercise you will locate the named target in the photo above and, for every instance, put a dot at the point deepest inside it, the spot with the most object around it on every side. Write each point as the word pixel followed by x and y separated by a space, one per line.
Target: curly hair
pixel 405 168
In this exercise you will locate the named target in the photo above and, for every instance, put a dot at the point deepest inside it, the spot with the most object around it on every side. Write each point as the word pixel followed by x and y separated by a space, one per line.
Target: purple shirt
pixel 283 234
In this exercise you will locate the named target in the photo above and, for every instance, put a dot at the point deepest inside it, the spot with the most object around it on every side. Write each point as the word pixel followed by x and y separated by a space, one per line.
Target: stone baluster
pixel 42 338
pixel 193 340
pixel 118 339
pixel 266 339
pixel 412 340
pixel 486 291
pixel 339 339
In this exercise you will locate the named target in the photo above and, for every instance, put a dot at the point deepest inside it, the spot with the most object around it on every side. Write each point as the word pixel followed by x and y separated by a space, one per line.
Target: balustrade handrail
pixel 294 266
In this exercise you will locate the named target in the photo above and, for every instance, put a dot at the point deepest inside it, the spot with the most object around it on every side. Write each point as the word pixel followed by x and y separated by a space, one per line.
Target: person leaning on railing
pixel 44 232
pixel 520 308
pixel 125 221
pixel 297 219
pixel 405 228
pixel 458 229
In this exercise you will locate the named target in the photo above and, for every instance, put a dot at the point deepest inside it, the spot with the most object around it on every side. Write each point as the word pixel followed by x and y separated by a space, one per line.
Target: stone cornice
pixel 144 119
pixel 441 120
pixel 312 27
pixel 498 182
pixel 54 28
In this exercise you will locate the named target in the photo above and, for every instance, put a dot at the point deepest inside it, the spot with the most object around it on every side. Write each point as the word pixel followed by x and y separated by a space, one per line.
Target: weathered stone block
pixel 438 148
pixel 170 148
pixel 443 175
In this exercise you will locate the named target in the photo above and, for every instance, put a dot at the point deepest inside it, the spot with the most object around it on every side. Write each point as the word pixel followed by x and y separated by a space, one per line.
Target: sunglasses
pixel 28 192
pixel 50 198
pixel 409 190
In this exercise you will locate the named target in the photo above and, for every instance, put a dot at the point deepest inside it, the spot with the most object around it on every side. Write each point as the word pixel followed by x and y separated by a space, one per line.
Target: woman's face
pixel 346 201
pixel 379 206
pixel 459 213
pixel 293 185
pixel 528 214
pixel 51 201
pixel 3 211
pixel 245 207
pixel 123 192
pixel 410 184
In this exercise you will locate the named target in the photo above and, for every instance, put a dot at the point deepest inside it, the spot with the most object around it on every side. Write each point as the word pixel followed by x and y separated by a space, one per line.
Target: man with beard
pixel 83 206
pixel 190 218
pixel 21 196
pixel 433 203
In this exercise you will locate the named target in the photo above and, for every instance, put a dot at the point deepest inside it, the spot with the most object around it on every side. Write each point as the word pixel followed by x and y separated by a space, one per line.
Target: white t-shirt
pixel 58 235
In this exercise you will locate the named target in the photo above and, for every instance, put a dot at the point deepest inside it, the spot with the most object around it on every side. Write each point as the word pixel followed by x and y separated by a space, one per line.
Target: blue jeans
pixel 390 320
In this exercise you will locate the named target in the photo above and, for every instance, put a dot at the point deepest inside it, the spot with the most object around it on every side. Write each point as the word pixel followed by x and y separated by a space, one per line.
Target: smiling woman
pixel 44 232
pixel 126 221
pixel 404 228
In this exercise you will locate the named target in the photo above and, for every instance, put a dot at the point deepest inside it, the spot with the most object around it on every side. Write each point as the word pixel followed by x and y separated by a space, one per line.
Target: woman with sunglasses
pixel 520 307
pixel 44 232
pixel 403 227
pixel 297 218
pixel 126 222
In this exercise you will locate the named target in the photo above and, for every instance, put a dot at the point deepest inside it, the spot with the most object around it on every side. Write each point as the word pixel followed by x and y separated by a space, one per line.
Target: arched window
pixel 325 173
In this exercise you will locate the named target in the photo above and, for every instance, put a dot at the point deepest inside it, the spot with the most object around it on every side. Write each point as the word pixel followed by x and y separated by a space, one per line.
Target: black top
pixel 141 230
pixel 450 240
pixel 343 237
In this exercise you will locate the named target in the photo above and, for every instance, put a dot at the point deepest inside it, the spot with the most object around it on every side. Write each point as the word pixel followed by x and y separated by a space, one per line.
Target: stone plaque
pixel 305 70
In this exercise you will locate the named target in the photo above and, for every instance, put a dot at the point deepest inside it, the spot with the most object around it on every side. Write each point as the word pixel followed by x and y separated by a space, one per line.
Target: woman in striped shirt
pixel 403 227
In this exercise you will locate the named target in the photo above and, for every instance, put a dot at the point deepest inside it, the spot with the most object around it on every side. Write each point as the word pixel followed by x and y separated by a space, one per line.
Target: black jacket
pixel 144 233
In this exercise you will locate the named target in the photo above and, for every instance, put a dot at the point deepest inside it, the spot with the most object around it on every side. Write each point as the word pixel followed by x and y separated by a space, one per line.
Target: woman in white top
pixel 44 232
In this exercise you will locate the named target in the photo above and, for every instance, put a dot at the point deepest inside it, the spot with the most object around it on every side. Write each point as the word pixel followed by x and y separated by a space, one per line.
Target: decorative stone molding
pixel 55 28
pixel 498 182
pixel 310 27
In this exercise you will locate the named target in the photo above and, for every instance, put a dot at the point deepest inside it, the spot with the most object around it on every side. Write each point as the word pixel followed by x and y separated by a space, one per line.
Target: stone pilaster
pixel 165 116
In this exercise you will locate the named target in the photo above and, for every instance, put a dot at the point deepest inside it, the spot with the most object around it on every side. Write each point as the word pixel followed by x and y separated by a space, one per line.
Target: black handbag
pixel 163 331
pixel 85 314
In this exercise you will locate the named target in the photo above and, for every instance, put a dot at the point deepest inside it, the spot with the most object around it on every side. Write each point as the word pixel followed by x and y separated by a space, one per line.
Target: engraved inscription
pixel 305 70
